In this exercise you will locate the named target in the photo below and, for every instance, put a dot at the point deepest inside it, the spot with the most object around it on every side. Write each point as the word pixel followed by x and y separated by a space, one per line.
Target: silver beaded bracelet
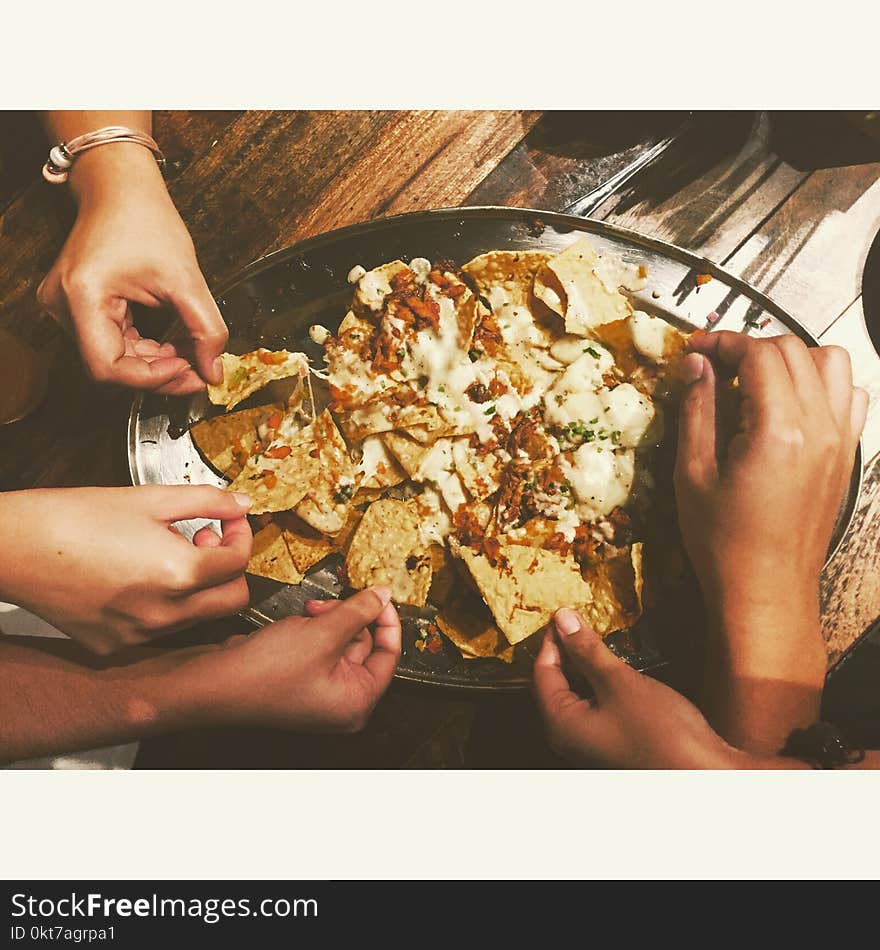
pixel 63 155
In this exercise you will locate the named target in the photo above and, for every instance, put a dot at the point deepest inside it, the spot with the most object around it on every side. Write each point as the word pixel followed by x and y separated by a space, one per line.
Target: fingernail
pixel 692 367
pixel 244 500
pixel 383 593
pixel 567 621
pixel 218 369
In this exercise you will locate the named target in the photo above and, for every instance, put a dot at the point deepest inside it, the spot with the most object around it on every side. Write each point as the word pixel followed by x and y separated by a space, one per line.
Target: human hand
pixel 759 516
pixel 105 566
pixel 756 519
pixel 631 721
pixel 129 245
pixel 324 672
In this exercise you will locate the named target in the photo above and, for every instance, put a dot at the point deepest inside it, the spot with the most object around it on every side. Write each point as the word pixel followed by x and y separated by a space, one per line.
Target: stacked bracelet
pixel 62 156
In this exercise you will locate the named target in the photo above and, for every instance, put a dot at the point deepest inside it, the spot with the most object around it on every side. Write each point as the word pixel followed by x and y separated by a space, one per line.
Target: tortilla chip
pixel 226 442
pixel 568 285
pixel 468 624
pixel 616 586
pixel 244 375
pixel 279 484
pixel 409 454
pixel 271 558
pixel 445 577
pixel 374 287
pixel 307 546
pixel 526 586
pixel 509 272
pixel 480 475
pixel 327 501
pixel 387 549
pixel 379 467
pixel 382 415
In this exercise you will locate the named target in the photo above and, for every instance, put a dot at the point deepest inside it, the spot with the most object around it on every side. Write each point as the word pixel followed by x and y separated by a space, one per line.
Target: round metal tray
pixel 273 301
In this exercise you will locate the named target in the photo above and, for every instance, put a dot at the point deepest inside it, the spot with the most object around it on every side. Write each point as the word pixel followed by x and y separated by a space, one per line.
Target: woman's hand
pixel 759 514
pixel 106 566
pixel 756 508
pixel 129 245
pixel 320 673
pixel 630 722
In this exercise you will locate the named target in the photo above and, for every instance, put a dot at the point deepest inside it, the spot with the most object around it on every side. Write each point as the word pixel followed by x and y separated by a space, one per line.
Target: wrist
pixel 105 172
pixel 176 689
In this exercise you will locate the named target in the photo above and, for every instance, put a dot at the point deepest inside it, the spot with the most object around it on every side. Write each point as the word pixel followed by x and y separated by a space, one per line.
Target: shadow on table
pixel 812 140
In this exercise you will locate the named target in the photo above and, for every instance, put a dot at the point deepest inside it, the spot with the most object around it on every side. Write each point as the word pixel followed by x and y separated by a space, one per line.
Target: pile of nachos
pixel 488 446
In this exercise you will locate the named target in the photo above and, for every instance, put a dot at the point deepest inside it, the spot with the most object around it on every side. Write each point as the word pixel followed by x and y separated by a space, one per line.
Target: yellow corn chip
pixel 468 624
pixel 328 498
pixel 225 442
pixel 387 549
pixel 244 375
pixel 525 586
pixel 271 558
pixel 569 286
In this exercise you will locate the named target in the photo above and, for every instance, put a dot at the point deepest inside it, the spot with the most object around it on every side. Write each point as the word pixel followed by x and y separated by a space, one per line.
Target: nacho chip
pixel 383 415
pixel 524 587
pixel 378 467
pixel 409 454
pixel 327 501
pixel 226 442
pixel 569 286
pixel 445 577
pixel 387 549
pixel 373 287
pixel 244 375
pixel 279 477
pixel 480 475
pixel 271 558
pixel 468 624
pixel 506 277
pixel 616 585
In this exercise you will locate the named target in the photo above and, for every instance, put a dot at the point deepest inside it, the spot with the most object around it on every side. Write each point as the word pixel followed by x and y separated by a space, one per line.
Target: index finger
pixel 764 380
pixel 200 315
pixel 382 661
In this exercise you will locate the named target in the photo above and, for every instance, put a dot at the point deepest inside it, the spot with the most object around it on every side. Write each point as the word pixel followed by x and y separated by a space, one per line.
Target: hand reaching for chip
pixel 320 673
pixel 130 246
pixel 105 566
pixel 757 510
pixel 631 721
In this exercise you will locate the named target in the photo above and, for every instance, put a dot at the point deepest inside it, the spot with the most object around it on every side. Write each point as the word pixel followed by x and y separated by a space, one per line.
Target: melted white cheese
pixel 628 412
pixel 600 479
pixel 615 273
pixel 649 335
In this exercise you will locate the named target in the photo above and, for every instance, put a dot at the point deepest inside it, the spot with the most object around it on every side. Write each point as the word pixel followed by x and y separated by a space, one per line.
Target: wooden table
pixel 790 206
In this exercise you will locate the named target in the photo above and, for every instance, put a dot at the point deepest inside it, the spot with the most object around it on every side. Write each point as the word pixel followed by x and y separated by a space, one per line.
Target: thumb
pixel 695 462
pixel 345 621
pixel 199 314
pixel 586 651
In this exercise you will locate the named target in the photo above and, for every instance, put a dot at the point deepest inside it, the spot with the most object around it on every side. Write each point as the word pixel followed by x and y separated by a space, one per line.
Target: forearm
pixel 765 667
pixel 50 705
pixel 102 172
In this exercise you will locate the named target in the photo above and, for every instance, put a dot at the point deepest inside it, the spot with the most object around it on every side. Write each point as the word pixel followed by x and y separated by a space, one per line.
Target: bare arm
pixel 324 672
pixel 756 519
pixel 50 704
